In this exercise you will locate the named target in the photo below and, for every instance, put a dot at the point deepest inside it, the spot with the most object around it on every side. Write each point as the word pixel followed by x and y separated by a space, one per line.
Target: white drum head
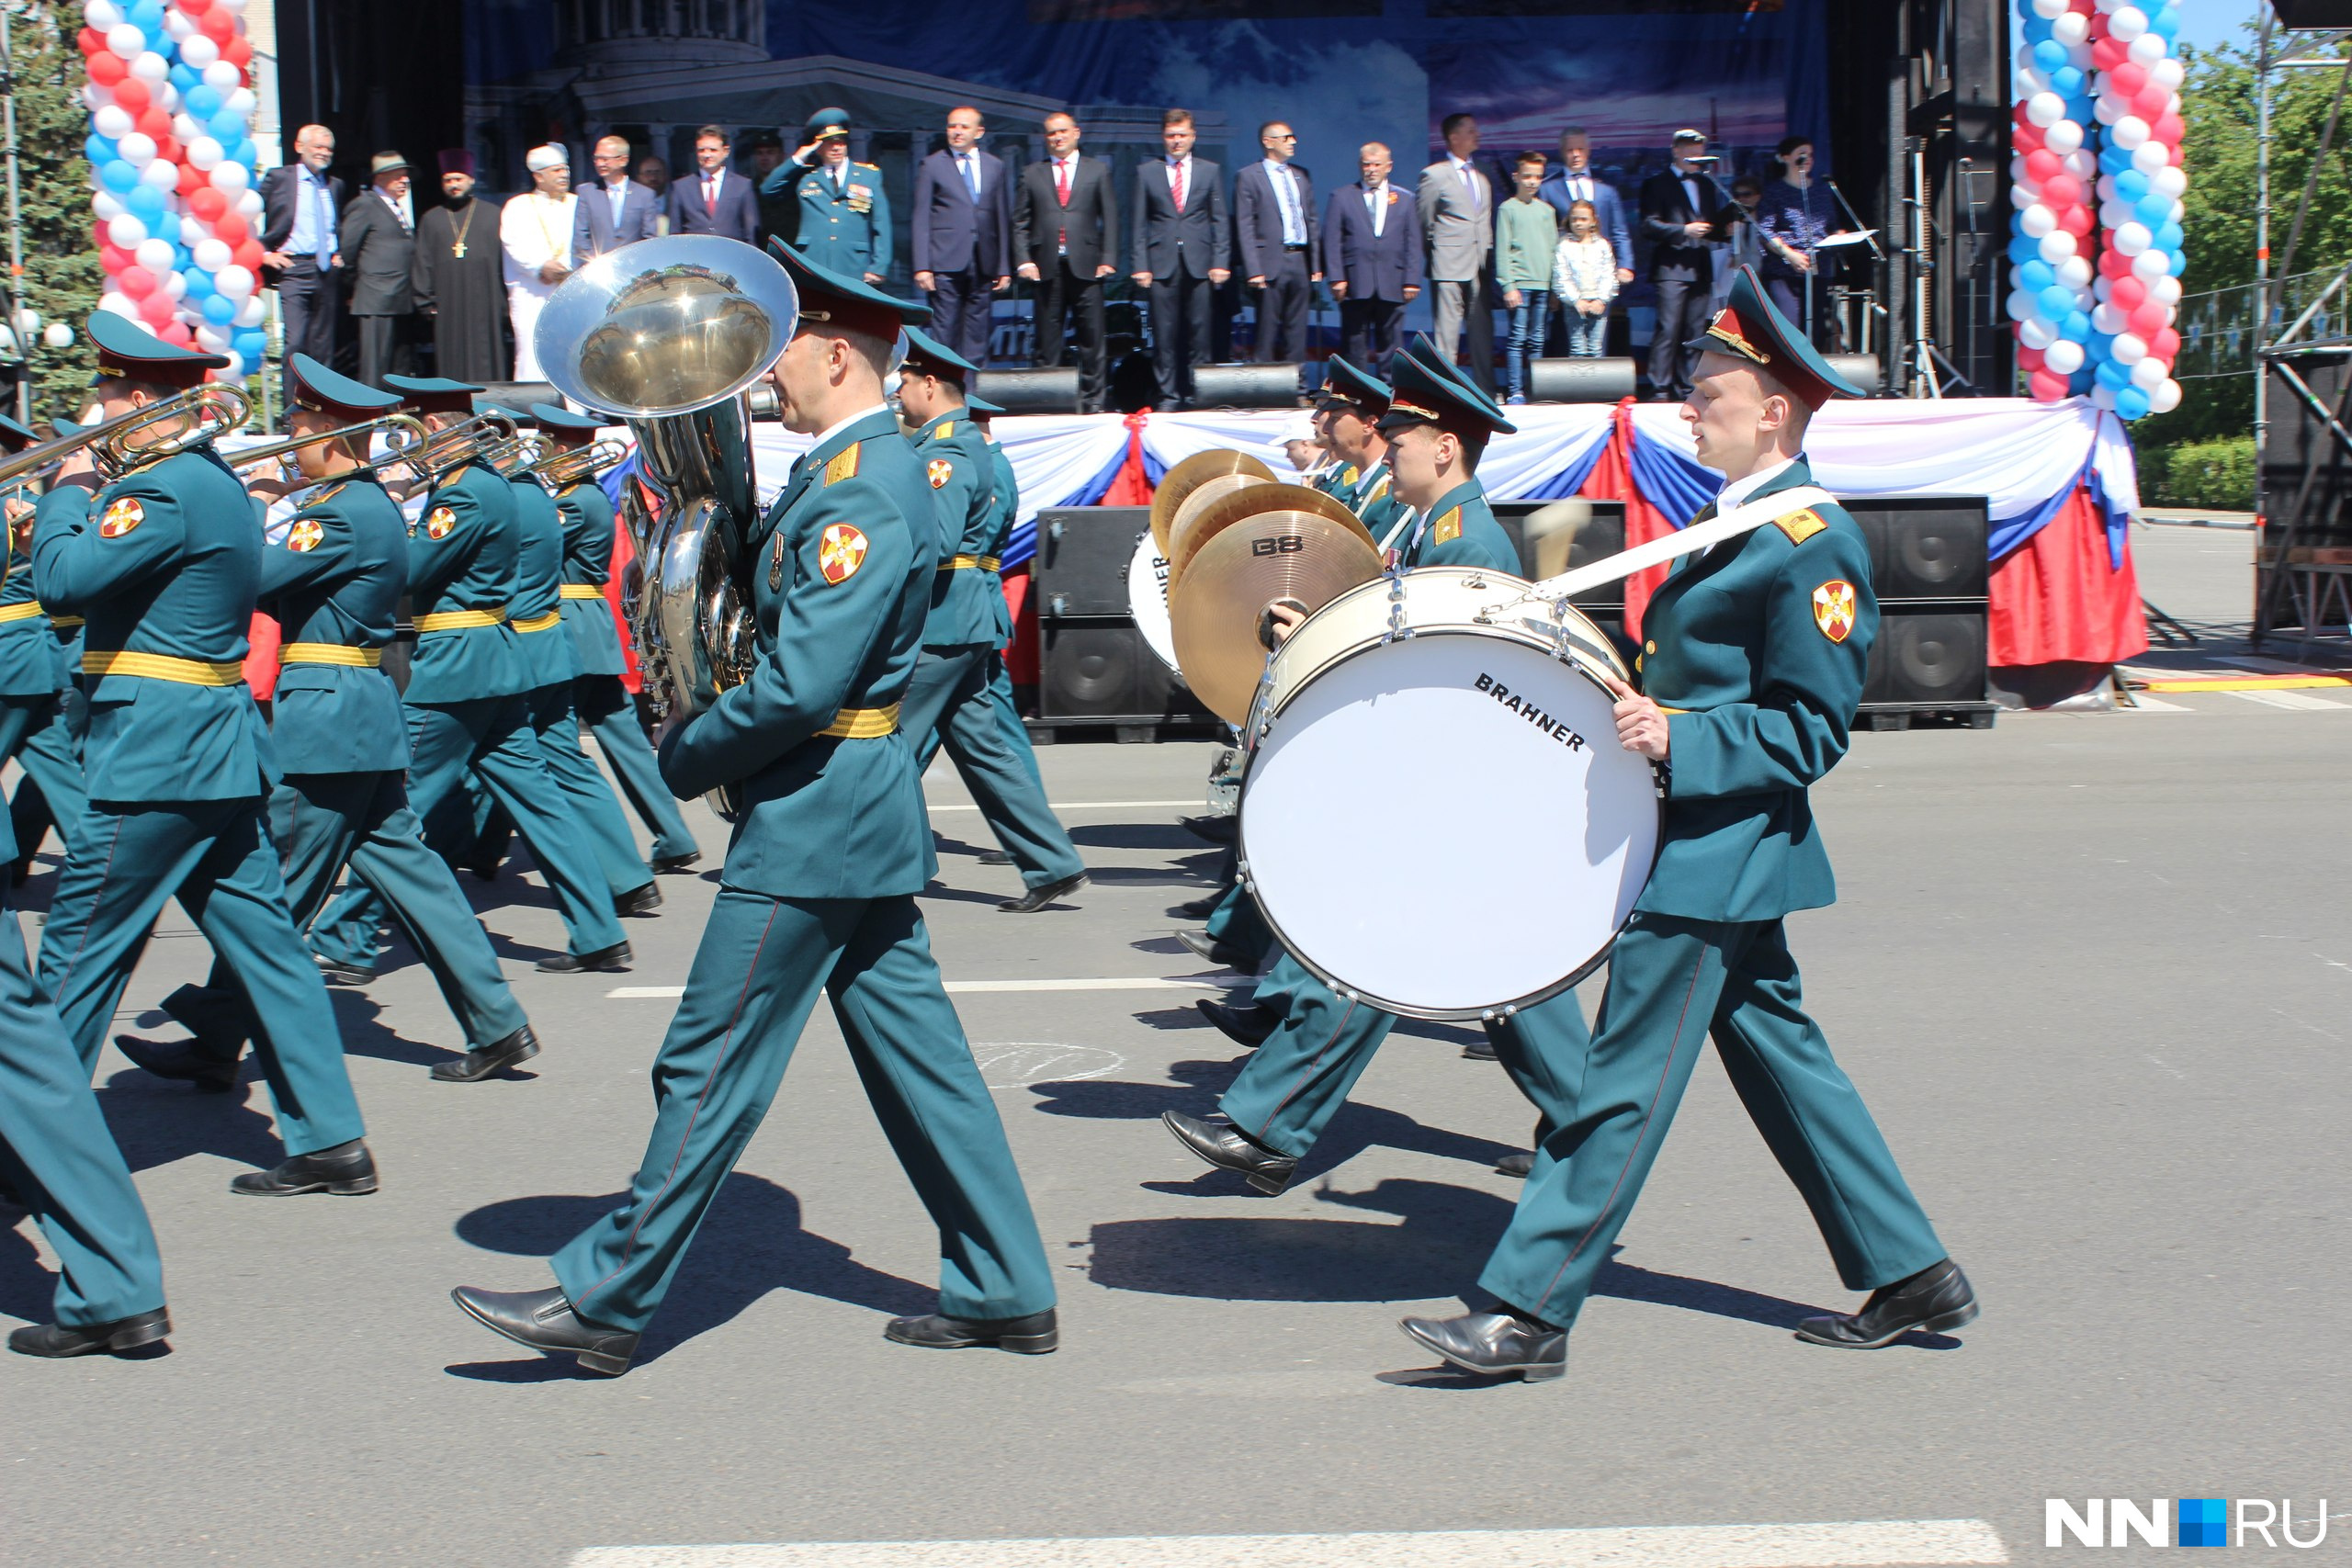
pixel 1417 839
pixel 1148 598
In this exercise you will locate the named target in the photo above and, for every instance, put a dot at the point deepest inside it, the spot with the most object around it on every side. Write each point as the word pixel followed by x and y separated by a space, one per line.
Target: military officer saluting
pixel 603 703
pixel 166 563
pixel 844 212
pixel 334 585
pixel 1751 667
pixel 949 691
pixel 819 889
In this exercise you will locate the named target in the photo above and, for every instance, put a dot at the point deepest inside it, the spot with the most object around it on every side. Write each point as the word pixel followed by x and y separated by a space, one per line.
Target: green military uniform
pixel 999 683
pixel 165 564
pixel 843 220
pixel 334 586
pixel 966 625
pixel 1755 650
pixel 603 703
pixel 41 712
pixel 818 892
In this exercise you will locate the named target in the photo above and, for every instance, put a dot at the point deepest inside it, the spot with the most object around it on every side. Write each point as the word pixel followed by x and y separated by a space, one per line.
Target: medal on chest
pixel 775 565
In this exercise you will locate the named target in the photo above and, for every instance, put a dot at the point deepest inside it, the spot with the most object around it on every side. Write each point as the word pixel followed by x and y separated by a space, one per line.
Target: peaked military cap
pixel 128 349
pixel 1750 328
pixel 1345 386
pixel 926 355
pixel 980 407
pixel 310 384
pixel 1428 390
pixel 15 436
pixel 566 425
pixel 832 299
pixel 434 394
pixel 825 124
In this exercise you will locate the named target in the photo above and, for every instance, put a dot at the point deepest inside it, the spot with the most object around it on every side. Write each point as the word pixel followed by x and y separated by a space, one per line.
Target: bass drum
pixel 1148 598
pixel 1438 817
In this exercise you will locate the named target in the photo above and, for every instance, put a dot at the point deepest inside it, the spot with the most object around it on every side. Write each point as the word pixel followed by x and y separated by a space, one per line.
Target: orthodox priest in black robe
pixel 460 283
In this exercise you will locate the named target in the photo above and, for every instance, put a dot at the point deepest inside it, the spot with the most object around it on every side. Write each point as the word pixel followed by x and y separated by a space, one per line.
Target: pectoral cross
pixel 458 250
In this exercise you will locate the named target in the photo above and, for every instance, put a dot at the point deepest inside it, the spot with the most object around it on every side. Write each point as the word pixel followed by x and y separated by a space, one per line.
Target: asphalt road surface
pixel 2091 971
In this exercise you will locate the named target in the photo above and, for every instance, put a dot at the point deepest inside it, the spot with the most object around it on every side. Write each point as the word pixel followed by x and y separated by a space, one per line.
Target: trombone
pixel 570 466
pixel 217 408
pixel 464 441
pixel 399 452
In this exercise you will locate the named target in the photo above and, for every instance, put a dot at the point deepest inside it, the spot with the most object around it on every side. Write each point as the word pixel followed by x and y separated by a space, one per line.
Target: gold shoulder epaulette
pixel 323 497
pixel 1448 529
pixel 845 464
pixel 946 428
pixel 1349 474
pixel 1800 526
pixel 875 167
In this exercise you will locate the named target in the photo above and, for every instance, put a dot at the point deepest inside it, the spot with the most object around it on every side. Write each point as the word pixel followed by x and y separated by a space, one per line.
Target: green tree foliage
pixel 62 273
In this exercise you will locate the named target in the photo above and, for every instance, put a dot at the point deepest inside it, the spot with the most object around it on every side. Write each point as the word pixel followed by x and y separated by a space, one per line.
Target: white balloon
pixel 2129 132
pixel 94 98
pixel 2150 156
pixel 168 96
pixel 113 122
pixel 154 254
pixel 2151 264
pixel 2024 196
pixel 2126 22
pixel 2105 111
pixel 2037 333
pixel 231 175
pixel 194 231
pixel 2147 49
pixel 2113 213
pixel 235 369
pixel 2018 175
pixel 126 231
pixel 57 334
pixel 126 42
pixel 2150 374
pixel 2168 73
pixel 2107 319
pixel 2102 288
pixel 2082 162
pixel 2045 108
pixel 2129 348
pixel 2048 10
pixel 206 153
pixel 2169 181
pixel 118 305
pixel 2064 356
pixel 249 313
pixel 185 128
pixel 2164 290
pixel 175 23
pixel 2074 272
pixel 102 16
pixel 2057 245
pixel 248 203
pixel 234 281
pixel 2163 398
pixel 2106 189
pixel 2030 80
pixel 2070 29
pixel 2065 138
pixel 2023 306
pixel 211 339
pixel 199 51
pixel 240 102
pixel 2133 238
pixel 221 76
pixel 212 254
pixel 138 149
pixel 105 204
pixel 161 173
pixel 2037 221
pixel 151 67
pixel 174 283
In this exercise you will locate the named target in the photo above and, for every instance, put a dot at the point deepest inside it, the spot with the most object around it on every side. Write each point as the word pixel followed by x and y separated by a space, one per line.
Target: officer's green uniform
pixel 164 563
pixel 1757 650
pixel 467 704
pixel 999 683
pixel 41 709
pixel 818 892
pixel 334 585
pixel 603 703
pixel 949 689
pixel 844 214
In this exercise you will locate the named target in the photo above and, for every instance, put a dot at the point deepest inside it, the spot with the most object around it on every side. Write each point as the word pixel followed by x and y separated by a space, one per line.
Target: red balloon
pixel 2046 385
pixel 248 255
pixel 192 179
pixel 90 43
pixel 106 68
pixel 99 235
pixel 2027 137
pixel 114 258
pixel 2170 131
pixel 237 51
pixel 2075 221
pixel 2127 78
pixel 2148 319
pixel 156 122
pixel 195 8
pixel 2127 292
pixel 169 148
pixel 131 94
pixel 2152 102
pixel 2061 191
pixel 232 228
pixel 208 203
pixel 2108 53
pixel 2114 264
pixel 177 334
pixel 136 281
pixel 2166 346
pixel 2043 166
pixel 157 308
pixel 2028 359
pixel 217 24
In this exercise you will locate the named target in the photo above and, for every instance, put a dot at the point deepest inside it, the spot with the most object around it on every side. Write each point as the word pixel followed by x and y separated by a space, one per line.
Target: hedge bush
pixel 2219 474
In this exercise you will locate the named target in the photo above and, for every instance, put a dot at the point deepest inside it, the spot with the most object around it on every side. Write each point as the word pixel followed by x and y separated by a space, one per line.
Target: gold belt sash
pixel 330 653
pixel 862 724
pixel 583 591
pixel 541 623
pixel 29 610
pixel 453 620
pixel 959 563
pixel 992 563
pixel 163 667
pixel 64 623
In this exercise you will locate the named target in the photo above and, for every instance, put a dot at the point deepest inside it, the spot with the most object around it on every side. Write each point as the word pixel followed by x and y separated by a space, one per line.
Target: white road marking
pixel 1198 808
pixel 2294 701
pixel 963 987
pixel 1859 1545
pixel 1017 1064
pixel 2142 702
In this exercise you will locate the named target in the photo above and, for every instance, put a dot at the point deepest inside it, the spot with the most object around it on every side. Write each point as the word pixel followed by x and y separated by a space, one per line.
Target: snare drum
pixel 1438 817
pixel 1148 598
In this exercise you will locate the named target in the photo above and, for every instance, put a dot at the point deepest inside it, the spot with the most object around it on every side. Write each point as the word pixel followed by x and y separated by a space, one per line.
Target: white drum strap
pixel 1682 542
pixel 1403 522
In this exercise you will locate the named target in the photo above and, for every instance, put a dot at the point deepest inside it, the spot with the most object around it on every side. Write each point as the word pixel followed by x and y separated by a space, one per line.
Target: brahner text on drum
pixel 1534 715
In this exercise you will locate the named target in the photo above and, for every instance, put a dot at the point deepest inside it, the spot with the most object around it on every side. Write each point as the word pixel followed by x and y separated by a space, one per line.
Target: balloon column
pixel 2097 120
pixel 178 215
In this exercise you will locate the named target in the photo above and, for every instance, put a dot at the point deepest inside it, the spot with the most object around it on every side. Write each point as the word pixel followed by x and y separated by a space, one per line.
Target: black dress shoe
pixel 993 857
pixel 1521 1165
pixel 1036 1335
pixel 1494 1343
pixel 638 900
pixel 1221 831
pixel 1036 898
pixel 483 1060
pixel 616 956
pixel 1200 908
pixel 186 1060
pixel 544 1320
pixel 1222 954
pixel 485 867
pixel 1223 1146
pixel 347 1170
pixel 664 865
pixel 1480 1050
pixel 56 1339
pixel 337 973
pixel 1937 1298
pixel 1244 1026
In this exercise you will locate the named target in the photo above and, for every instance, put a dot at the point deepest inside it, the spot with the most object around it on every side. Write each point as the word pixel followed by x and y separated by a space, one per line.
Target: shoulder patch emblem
pixel 1448 529
pixel 945 428
pixel 440 522
pixel 1800 526
pixel 304 535
pixel 841 552
pixel 844 465
pixel 939 470
pixel 121 518
pixel 1833 608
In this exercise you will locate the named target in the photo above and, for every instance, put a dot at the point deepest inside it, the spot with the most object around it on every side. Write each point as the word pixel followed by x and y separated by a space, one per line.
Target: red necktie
pixel 1176 183
pixel 710 194
pixel 1061 181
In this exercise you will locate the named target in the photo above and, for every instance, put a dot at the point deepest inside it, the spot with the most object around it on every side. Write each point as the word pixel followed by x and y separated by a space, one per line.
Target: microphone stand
pixel 1878 256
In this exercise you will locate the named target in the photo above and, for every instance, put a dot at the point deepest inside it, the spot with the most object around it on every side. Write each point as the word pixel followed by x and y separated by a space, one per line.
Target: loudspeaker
pixel 1579 381
pixel 1082 556
pixel 1926 658
pixel 1861 369
pixel 1247 386
pixel 1925 546
pixel 1030 391
pixel 1103 671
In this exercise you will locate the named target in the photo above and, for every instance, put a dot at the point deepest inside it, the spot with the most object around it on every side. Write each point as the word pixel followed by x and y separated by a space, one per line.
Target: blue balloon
pixel 219 309
pixel 201 102
pixel 2098 346
pixel 147 16
pixel 118 175
pixel 2154 210
pixel 185 77
pixel 2169 237
pixel 227 126
pixel 249 341
pixel 2113 375
pixel 183 259
pixel 2114 160
pixel 200 284
pixel 2066 82
pixel 2076 327
pixel 144 202
pixel 2078 109
pixel 2049 54
pixel 2035 276
pixel 2179 263
pixel 2024 248
pixel 2130 402
pixel 2035 29
pixel 2131 185
pixel 2056 302
pixel 2166 24
pixel 100 151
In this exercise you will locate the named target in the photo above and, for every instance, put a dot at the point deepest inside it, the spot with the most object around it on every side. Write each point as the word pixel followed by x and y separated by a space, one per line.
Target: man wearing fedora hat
pixel 378 242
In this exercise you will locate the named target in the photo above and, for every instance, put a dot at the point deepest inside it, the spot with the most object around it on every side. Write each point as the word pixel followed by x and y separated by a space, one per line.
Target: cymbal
pixel 1180 480
pixel 1202 519
pixel 1237 574
pixel 1202 495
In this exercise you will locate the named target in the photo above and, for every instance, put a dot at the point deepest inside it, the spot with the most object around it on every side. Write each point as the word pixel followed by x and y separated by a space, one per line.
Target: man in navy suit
pixel 1371 254
pixel 714 198
pixel 1273 216
pixel 1181 238
pixel 613 210
pixel 1573 181
pixel 962 246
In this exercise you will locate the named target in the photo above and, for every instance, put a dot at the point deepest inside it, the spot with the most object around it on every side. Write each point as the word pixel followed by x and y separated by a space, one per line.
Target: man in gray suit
pixel 1457 202
pixel 378 238
pixel 613 208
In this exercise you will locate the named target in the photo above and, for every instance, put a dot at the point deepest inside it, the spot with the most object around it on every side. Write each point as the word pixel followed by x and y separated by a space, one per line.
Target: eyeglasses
pixel 1283 136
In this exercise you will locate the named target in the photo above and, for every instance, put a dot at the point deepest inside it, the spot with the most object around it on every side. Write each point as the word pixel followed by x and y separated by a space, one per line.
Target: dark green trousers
pixel 216 856
pixel 1236 922
pixel 949 693
pixel 363 820
pixel 55 1150
pixel 757 973
pixel 44 736
pixel 1672 983
pixel 607 712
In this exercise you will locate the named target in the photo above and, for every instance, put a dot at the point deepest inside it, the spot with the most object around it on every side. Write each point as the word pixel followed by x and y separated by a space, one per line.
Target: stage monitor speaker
pixel 1925 546
pixel 1579 381
pixel 1248 386
pixel 1926 658
pixel 1082 556
pixel 1030 391
pixel 1103 671
pixel 1861 369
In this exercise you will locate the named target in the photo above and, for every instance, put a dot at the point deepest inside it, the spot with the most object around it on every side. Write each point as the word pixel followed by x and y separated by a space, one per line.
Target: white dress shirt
pixel 1284 179
pixel 1375 201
